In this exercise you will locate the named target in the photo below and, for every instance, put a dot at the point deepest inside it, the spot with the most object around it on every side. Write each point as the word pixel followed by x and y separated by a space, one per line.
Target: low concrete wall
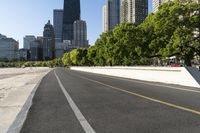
pixel 172 75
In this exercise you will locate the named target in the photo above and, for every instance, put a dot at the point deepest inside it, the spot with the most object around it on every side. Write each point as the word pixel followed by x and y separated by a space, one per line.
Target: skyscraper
pixel 134 11
pixel 27 41
pixel 105 18
pixel 80 34
pixel 36 50
pixel 48 42
pixel 71 14
pixel 113 13
pixel 124 11
pixel 57 24
pixel 157 3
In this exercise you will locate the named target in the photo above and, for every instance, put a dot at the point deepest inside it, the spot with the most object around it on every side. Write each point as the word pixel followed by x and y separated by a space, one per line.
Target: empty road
pixel 76 102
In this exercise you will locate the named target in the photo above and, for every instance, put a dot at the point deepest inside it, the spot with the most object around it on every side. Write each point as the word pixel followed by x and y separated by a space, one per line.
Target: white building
pixel 8 48
pixel 105 18
pixel 133 11
pixel 157 3
pixel 124 11
pixel 27 41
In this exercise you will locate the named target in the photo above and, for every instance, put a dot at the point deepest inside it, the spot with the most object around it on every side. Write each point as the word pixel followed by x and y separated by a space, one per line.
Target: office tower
pixel 134 11
pixel 105 18
pixel 113 13
pixel 36 50
pixel 48 42
pixel 59 50
pixel 157 3
pixel 27 41
pixel 57 24
pixel 124 11
pixel 80 34
pixel 23 54
pixel 8 48
pixel 71 14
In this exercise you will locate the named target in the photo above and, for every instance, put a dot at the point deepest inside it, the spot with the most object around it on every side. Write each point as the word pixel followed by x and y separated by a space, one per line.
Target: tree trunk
pixel 187 60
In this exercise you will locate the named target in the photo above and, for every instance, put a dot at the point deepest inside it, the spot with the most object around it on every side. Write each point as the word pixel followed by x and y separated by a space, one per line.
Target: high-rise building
pixel 112 14
pixel 124 11
pixel 48 42
pixel 59 50
pixel 134 11
pixel 157 3
pixel 36 50
pixel 27 41
pixel 57 24
pixel 8 48
pixel 105 18
pixel 23 54
pixel 71 13
pixel 80 34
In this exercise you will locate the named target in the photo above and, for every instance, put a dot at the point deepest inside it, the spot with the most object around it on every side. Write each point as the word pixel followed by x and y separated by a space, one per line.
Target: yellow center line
pixel 146 97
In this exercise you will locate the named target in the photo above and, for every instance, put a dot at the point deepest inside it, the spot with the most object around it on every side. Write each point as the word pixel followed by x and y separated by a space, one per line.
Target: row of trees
pixel 172 31
pixel 54 63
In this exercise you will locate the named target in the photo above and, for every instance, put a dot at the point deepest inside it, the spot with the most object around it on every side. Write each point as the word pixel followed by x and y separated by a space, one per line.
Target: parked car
pixel 175 65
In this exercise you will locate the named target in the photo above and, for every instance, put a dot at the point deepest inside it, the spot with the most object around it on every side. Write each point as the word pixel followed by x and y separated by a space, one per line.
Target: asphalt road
pixel 77 102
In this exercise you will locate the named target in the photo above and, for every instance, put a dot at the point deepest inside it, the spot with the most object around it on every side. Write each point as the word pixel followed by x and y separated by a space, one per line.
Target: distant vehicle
pixel 176 65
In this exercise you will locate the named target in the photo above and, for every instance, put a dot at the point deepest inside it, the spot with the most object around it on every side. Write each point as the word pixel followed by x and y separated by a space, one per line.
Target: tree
pixel 66 59
pixel 174 27
pixel 127 44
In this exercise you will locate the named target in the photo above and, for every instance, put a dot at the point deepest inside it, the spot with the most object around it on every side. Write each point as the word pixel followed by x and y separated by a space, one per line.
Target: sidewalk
pixel 15 90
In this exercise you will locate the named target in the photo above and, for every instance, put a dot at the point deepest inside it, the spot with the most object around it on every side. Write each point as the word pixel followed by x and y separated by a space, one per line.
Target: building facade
pixel 105 18
pixel 80 34
pixel 134 11
pixel 36 50
pixel 111 14
pixel 8 48
pixel 23 54
pixel 59 50
pixel 27 41
pixel 48 42
pixel 71 13
pixel 57 24
pixel 157 3
pixel 124 11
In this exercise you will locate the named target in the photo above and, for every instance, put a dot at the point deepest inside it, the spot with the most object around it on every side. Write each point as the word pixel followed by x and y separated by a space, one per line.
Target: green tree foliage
pixel 175 30
pixel 76 57
pixel 66 59
pixel 53 63
pixel 172 31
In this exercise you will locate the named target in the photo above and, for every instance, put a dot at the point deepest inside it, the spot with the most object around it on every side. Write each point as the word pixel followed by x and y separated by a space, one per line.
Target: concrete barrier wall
pixel 172 75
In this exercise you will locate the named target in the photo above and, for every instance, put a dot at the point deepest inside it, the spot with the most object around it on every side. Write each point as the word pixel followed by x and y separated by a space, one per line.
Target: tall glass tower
pixel 113 7
pixel 71 14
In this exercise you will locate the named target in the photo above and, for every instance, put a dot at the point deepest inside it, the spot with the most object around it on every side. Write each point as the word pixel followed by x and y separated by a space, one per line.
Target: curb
pixel 22 115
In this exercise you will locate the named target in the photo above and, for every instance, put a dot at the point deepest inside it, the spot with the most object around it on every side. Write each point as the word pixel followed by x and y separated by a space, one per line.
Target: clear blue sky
pixel 28 17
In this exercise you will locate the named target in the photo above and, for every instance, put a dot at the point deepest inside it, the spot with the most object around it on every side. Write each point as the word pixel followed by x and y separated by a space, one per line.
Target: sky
pixel 28 17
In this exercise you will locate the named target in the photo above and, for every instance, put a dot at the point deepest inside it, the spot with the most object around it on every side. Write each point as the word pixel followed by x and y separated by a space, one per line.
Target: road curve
pixel 77 102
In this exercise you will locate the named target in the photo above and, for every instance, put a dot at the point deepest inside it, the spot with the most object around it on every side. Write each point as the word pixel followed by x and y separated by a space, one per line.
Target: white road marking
pixel 84 123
